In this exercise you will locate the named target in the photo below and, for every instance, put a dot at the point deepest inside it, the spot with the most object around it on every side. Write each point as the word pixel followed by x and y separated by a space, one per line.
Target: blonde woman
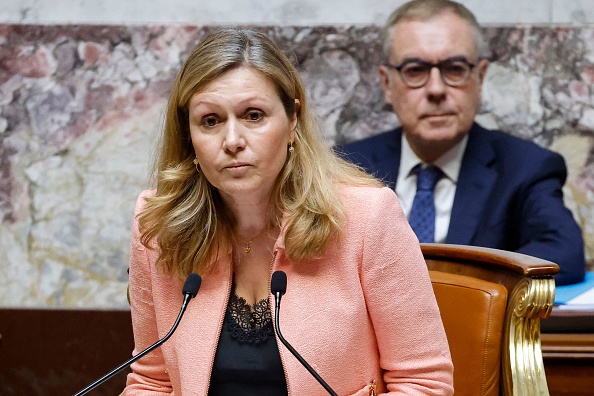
pixel 246 186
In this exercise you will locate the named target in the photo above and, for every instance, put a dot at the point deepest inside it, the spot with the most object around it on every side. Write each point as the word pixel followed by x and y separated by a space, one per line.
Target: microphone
pixel 190 289
pixel 278 287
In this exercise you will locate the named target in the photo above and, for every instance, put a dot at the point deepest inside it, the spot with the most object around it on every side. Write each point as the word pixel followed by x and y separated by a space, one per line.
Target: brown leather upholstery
pixel 491 302
pixel 473 314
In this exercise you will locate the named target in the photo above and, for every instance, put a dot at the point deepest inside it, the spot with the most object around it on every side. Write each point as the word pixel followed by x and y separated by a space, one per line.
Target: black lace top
pixel 247 361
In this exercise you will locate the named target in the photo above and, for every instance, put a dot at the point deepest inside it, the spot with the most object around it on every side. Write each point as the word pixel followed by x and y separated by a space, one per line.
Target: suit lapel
pixel 475 183
pixel 387 158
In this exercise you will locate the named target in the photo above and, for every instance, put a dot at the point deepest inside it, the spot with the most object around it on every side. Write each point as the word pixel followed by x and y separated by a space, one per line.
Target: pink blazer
pixel 363 312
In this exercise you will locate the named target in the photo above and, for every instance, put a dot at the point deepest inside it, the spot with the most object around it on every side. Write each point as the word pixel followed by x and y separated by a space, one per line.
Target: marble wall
pixel 81 107
pixel 279 12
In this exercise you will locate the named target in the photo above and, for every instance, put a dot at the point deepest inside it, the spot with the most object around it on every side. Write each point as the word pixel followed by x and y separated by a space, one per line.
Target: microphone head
pixel 278 284
pixel 192 285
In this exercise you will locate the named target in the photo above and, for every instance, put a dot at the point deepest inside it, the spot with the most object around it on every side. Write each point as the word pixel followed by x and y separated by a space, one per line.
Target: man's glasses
pixel 415 72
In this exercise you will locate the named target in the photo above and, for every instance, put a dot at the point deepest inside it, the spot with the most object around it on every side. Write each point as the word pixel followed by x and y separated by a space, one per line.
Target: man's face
pixel 436 116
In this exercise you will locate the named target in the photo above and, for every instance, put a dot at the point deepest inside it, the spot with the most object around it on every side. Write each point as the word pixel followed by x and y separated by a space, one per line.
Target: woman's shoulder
pixel 142 197
pixel 368 199
pixel 147 193
pixel 372 205
pixel 362 194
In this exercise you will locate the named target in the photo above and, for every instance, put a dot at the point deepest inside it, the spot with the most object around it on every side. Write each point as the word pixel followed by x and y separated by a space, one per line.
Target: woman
pixel 246 186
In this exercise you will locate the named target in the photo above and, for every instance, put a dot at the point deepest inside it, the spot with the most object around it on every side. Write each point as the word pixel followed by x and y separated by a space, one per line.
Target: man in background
pixel 458 182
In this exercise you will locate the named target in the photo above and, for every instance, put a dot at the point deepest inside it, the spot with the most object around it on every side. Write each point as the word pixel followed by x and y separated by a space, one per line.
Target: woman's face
pixel 240 133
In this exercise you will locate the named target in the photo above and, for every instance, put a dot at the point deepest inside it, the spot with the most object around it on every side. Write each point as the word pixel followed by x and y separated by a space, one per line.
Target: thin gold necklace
pixel 247 249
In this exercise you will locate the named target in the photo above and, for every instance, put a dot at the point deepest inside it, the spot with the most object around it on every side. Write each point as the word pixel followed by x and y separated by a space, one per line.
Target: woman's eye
pixel 209 121
pixel 255 115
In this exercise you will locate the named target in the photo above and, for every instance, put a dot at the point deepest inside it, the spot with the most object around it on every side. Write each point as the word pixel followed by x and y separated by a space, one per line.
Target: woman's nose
pixel 234 136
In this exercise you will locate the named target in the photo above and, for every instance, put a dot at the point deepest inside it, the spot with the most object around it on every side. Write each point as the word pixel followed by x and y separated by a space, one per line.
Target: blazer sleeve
pixel 546 227
pixel 149 373
pixel 413 347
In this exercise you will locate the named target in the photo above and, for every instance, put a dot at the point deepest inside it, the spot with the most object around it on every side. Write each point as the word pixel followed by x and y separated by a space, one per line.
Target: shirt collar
pixel 449 163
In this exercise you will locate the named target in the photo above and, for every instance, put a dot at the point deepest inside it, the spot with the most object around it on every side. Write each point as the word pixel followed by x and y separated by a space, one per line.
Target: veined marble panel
pixel 81 109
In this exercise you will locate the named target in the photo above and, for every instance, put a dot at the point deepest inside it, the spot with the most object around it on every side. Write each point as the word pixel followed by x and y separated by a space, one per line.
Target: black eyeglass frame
pixel 430 66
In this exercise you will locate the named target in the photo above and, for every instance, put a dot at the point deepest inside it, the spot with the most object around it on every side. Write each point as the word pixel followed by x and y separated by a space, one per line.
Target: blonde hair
pixel 187 218
pixel 423 10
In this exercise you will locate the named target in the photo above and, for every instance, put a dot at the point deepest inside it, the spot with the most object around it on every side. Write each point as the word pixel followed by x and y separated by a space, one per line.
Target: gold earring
pixel 196 164
pixel 291 148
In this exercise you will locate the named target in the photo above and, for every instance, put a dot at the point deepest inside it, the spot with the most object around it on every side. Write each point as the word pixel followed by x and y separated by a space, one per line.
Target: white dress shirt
pixel 445 189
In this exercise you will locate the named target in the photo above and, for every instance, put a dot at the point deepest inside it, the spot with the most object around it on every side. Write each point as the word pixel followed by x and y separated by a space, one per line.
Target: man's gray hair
pixel 423 10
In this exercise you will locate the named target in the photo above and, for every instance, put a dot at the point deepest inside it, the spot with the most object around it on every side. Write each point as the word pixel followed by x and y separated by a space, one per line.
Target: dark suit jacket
pixel 508 196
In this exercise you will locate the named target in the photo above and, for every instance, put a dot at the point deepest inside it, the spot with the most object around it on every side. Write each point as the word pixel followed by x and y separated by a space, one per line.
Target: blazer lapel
pixel 475 183
pixel 196 337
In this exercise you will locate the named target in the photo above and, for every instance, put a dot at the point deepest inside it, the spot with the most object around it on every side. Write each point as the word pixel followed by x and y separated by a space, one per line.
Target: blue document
pixel 565 293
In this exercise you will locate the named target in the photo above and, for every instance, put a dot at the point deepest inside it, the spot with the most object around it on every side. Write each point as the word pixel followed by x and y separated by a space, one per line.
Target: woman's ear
pixel 293 126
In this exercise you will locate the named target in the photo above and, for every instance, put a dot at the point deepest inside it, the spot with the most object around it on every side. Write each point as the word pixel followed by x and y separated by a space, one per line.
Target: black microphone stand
pixel 188 295
pixel 278 290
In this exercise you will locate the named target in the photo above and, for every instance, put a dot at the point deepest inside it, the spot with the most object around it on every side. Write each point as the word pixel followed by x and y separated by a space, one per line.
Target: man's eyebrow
pixel 419 60
pixel 409 60
pixel 456 58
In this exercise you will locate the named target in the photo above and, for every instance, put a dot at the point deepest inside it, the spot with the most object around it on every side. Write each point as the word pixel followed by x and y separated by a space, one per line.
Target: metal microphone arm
pixel 278 288
pixel 190 289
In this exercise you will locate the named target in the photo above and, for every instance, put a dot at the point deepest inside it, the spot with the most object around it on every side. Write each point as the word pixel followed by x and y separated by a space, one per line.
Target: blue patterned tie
pixel 422 214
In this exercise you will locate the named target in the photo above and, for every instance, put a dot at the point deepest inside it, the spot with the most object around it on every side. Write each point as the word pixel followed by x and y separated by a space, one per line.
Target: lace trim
pixel 249 324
